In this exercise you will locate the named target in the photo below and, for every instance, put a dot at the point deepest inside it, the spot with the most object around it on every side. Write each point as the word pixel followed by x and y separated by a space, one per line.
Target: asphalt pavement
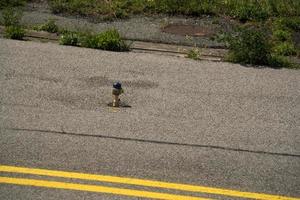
pixel 209 124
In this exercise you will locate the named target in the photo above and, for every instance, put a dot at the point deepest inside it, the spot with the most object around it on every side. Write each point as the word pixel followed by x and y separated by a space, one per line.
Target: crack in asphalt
pixel 157 142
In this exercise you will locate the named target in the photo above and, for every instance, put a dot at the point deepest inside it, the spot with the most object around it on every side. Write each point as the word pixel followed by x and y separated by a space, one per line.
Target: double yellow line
pixel 123 180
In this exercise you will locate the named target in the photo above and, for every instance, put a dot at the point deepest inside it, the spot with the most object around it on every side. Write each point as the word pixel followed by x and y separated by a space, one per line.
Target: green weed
pixel 243 10
pixel 252 45
pixel 287 23
pixel 249 11
pixel 69 38
pixel 282 35
pixel 109 40
pixel 14 32
pixel 11 21
pixel 50 26
pixel 11 3
pixel 11 17
pixel 285 49
pixel 194 53
pixel 283 30
pixel 278 61
pixel 248 45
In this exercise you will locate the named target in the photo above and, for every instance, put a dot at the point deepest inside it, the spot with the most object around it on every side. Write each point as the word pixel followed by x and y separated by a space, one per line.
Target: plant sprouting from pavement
pixel 194 53
pixel 50 26
pixel 108 40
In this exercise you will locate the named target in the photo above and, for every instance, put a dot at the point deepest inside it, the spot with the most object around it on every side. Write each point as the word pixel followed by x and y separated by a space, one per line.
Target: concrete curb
pixel 211 54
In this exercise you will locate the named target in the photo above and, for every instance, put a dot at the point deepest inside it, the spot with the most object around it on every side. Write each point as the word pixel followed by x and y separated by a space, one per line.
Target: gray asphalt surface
pixel 204 123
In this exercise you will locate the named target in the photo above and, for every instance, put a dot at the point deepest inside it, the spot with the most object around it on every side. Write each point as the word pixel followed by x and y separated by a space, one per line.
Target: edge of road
pixel 210 54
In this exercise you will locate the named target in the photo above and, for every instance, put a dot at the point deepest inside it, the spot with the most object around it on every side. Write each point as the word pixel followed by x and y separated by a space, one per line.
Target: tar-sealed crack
pixel 157 142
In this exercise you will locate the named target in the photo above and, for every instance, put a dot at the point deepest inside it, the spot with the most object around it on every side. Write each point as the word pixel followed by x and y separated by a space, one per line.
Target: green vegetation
pixel 11 17
pixel 253 45
pixel 109 40
pixel 285 49
pixel 70 38
pixel 11 21
pixel 243 10
pixel 287 23
pixel 249 45
pixel 14 32
pixel 194 53
pixel 50 26
pixel 283 30
pixel 282 35
pixel 278 61
pixel 11 3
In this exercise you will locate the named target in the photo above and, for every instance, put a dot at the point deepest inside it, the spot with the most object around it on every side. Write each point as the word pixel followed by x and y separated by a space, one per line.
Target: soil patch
pixel 190 30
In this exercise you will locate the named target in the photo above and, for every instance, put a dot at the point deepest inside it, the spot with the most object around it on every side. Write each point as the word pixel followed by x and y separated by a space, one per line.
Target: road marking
pixel 95 188
pixel 142 182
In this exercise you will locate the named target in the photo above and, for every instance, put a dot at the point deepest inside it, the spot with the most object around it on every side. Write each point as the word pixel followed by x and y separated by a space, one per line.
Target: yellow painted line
pixel 95 188
pixel 142 182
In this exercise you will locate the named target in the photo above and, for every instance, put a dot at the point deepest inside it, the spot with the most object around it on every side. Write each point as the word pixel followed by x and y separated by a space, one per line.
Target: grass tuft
pixel 194 53
pixel 252 45
pixel 109 40
pixel 285 49
pixel 244 10
pixel 248 45
pixel 11 17
pixel 50 26
pixel 14 32
pixel 11 3
pixel 11 21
